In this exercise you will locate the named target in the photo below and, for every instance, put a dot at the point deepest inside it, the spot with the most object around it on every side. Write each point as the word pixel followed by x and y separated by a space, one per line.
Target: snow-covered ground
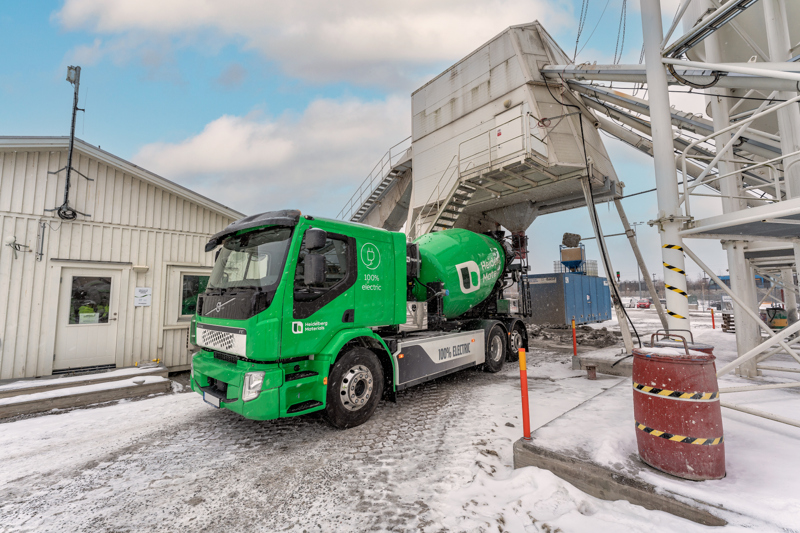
pixel 440 459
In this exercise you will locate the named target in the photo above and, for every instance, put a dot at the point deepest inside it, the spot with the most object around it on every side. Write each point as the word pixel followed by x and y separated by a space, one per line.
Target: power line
pixel 595 29
pixel 623 23
pixel 581 23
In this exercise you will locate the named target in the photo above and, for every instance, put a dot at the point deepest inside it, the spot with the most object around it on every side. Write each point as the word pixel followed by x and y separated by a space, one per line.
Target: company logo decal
pixel 299 327
pixel 219 306
pixel 469 277
pixel 370 256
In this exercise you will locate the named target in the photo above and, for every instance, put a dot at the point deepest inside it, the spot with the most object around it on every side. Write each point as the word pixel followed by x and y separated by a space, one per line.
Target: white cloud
pixel 87 55
pixel 381 42
pixel 312 161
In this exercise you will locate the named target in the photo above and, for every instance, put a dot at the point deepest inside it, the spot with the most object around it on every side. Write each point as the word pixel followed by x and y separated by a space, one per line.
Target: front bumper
pixel 277 396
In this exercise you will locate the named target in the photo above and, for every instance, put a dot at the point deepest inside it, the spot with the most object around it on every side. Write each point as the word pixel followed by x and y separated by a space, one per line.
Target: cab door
pixel 313 315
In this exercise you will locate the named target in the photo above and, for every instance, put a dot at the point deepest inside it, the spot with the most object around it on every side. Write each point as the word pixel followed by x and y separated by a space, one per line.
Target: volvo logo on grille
pixel 220 306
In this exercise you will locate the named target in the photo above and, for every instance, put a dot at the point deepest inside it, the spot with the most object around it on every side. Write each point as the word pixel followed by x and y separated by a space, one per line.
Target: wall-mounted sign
pixel 142 297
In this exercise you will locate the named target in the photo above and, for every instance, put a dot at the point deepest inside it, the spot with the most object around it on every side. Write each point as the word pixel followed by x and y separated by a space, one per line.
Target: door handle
pixel 112 319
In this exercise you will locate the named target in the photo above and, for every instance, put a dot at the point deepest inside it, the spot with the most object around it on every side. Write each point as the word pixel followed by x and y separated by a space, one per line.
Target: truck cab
pixel 287 292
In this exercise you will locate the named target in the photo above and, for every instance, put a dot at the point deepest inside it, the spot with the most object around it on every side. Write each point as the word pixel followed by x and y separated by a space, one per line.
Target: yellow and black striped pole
pixel 675 285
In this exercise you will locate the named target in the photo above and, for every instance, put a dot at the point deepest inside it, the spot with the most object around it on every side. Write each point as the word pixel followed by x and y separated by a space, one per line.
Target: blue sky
pixel 267 105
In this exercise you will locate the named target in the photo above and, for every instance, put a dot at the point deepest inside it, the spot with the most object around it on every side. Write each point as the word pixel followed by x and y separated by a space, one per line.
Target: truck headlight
pixel 251 387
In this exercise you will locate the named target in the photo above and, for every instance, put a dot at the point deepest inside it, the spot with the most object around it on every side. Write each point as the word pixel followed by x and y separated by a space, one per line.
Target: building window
pixel 89 300
pixel 192 285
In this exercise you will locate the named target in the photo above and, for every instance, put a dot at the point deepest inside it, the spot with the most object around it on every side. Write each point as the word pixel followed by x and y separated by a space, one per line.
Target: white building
pixel 108 290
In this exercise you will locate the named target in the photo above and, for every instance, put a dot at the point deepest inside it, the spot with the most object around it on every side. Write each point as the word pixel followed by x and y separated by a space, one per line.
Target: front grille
pixel 216 339
pixel 226 357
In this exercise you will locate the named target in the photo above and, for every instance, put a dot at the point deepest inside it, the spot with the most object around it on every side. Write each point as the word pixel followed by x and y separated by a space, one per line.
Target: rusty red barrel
pixel 674 338
pixel 697 346
pixel 677 412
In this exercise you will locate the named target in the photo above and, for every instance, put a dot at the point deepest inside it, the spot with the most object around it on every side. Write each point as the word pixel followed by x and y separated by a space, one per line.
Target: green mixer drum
pixel 468 264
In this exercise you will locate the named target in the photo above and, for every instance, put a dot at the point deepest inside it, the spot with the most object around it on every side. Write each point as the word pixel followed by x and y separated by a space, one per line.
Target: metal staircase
pixel 394 163
pixel 379 191
pixel 453 207
pixel 438 215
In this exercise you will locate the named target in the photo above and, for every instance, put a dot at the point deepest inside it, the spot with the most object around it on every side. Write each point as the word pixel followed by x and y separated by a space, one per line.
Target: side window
pixel 340 274
pixel 192 285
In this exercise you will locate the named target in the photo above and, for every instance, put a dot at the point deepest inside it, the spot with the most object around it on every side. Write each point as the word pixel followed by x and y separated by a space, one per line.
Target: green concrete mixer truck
pixel 304 314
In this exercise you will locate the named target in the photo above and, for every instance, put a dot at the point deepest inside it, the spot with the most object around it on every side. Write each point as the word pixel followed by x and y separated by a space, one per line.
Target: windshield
pixel 254 259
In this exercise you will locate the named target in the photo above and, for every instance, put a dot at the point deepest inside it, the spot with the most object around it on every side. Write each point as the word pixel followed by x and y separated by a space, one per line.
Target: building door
pixel 88 307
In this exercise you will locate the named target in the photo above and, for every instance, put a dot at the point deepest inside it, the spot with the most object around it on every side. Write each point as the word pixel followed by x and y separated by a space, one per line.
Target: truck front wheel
pixel 355 386
pixel 495 350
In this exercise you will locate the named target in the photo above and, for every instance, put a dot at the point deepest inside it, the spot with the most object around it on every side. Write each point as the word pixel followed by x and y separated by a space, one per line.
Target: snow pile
pixel 584 335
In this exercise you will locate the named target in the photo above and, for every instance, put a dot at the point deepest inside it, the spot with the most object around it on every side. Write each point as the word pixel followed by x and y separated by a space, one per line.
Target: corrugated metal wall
pixel 132 221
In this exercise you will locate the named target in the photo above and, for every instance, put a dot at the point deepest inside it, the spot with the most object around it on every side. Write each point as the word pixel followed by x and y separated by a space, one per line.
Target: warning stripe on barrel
pixel 676 289
pixel 673 268
pixel 676 315
pixel 672 247
pixel 666 393
pixel 711 441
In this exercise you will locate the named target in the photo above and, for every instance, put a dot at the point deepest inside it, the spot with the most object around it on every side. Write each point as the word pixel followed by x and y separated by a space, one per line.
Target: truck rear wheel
pixel 516 340
pixel 355 386
pixel 495 350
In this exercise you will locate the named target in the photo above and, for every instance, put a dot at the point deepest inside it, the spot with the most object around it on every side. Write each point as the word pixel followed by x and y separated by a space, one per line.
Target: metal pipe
pixel 762 414
pixel 778 368
pixel 678 16
pixel 627 339
pixel 764 69
pixel 665 173
pixel 769 386
pixel 779 338
pixel 636 74
pixel 777 33
pixel 640 260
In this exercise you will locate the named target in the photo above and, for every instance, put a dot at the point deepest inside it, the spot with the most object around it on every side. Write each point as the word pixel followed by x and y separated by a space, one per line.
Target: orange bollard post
pixel 574 340
pixel 713 323
pixel 523 383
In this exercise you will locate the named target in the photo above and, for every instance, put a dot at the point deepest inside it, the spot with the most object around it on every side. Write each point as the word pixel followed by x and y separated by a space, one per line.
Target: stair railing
pixel 429 206
pixel 378 174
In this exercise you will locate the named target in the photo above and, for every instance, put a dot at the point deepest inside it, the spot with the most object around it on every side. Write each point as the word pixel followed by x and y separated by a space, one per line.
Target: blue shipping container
pixel 558 298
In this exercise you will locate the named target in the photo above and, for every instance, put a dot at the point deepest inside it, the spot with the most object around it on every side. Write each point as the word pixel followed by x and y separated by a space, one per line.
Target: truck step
pixel 303 406
pixel 301 375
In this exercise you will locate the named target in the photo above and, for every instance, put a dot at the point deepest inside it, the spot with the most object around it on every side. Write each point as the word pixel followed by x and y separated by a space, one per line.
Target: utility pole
pixel 658 294
pixel 639 269
pixel 703 289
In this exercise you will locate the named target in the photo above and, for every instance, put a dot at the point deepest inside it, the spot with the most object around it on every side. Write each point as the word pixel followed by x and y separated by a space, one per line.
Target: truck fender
pixel 367 338
pixel 511 322
pixel 486 325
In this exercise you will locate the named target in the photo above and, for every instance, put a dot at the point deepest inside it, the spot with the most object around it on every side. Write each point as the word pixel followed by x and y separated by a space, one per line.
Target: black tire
pixel 355 386
pixel 495 350
pixel 516 340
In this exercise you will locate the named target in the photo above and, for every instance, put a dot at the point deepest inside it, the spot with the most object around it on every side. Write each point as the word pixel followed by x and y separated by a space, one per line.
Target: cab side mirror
pixel 314 270
pixel 315 239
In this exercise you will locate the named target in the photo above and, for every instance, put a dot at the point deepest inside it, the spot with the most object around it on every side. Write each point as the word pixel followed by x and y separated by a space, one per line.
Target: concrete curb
pixel 43 385
pixel 607 484
pixel 84 399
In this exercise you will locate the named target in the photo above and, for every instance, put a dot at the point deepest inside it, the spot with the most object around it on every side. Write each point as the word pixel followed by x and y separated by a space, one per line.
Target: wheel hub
pixel 356 388
pixel 516 341
pixel 496 348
